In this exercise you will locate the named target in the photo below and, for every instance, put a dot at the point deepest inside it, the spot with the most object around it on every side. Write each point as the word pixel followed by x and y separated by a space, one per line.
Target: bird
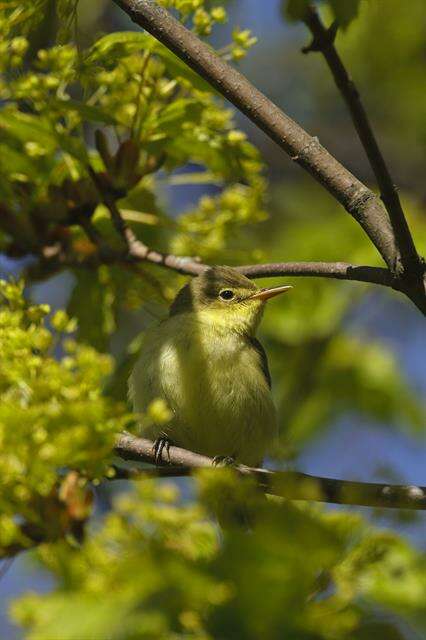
pixel 205 362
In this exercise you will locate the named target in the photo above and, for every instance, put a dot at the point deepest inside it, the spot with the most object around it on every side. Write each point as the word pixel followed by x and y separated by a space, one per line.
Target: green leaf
pixel 25 127
pixel 294 10
pixel 170 120
pixel 119 44
pixel 93 328
pixel 14 161
pixel 345 11
pixel 88 112
pixel 74 146
pixel 28 128
pixel 176 114
pixel 178 69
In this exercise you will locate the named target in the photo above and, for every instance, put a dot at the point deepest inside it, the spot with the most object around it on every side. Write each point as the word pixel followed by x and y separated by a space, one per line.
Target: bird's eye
pixel 226 294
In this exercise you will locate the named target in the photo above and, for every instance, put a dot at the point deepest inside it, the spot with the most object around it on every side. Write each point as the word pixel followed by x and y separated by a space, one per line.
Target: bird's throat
pixel 239 320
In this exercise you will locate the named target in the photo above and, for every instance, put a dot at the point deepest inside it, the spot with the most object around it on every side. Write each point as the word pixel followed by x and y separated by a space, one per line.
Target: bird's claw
pixel 161 444
pixel 223 461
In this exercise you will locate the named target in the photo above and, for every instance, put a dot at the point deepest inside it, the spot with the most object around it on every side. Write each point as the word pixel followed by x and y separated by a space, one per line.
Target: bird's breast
pixel 214 384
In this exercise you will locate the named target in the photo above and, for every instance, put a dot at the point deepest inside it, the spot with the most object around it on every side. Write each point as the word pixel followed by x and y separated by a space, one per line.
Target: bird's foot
pixel 162 443
pixel 224 461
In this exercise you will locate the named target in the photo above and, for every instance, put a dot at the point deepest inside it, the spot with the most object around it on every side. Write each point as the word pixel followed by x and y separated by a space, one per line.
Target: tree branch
pixel 323 41
pixel 192 267
pixel 337 270
pixel 109 200
pixel 357 199
pixel 292 485
pixel 138 251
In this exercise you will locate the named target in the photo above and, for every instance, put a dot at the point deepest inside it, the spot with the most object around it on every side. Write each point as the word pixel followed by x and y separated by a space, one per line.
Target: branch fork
pixel 382 218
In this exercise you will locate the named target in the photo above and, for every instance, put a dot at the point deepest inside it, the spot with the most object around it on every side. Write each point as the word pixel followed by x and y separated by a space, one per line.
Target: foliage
pixel 52 416
pixel 44 149
pixel 157 569
pixel 125 109
pixel 322 368
pixel 343 11
pixel 402 34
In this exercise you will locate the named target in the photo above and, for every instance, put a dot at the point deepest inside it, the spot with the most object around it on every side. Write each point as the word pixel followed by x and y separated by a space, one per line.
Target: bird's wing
pixel 254 342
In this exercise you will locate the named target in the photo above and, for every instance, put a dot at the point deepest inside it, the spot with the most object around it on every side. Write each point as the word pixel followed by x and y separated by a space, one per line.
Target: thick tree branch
pixel 323 40
pixel 292 485
pixel 304 149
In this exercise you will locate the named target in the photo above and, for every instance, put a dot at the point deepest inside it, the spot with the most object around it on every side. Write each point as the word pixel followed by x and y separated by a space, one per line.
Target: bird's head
pixel 225 298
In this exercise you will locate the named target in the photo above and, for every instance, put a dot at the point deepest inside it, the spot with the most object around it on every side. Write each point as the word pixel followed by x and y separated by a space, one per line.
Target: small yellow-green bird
pixel 205 362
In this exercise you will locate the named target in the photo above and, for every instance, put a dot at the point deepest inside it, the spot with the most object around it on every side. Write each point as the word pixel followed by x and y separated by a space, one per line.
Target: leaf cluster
pixel 157 568
pixel 168 118
pixel 53 416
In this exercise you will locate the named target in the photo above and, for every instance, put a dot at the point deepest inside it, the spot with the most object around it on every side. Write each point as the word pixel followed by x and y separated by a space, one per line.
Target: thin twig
pixel 5 566
pixel 304 149
pixel 292 485
pixel 96 238
pixel 137 250
pixel 323 41
pixel 91 231
pixel 109 201
pixel 146 58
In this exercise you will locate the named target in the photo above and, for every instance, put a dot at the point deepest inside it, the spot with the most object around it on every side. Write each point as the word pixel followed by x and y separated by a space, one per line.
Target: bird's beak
pixel 265 294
